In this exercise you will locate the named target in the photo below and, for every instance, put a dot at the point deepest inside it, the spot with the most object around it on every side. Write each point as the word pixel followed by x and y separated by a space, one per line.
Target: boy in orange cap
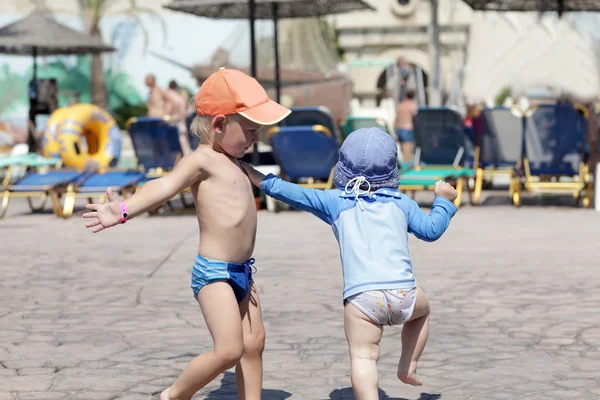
pixel 232 107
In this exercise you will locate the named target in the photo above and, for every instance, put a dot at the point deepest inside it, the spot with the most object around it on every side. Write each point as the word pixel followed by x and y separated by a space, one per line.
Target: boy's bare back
pixel 225 208
pixel 404 114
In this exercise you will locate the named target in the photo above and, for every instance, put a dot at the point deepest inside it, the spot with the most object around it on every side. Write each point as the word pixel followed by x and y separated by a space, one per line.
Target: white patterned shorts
pixel 386 307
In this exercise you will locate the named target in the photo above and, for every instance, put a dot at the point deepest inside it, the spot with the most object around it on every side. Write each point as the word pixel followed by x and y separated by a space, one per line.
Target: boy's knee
pixel 230 355
pixel 254 343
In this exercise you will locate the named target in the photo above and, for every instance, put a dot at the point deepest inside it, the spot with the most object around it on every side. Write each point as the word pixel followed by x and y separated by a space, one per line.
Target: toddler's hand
pixel 247 168
pixel 255 176
pixel 446 190
pixel 104 215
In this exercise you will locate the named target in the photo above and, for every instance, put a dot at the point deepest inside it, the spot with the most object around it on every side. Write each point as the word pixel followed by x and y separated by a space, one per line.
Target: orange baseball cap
pixel 229 91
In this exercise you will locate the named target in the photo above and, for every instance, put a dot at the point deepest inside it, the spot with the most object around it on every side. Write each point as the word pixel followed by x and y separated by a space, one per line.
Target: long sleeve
pixel 318 202
pixel 430 227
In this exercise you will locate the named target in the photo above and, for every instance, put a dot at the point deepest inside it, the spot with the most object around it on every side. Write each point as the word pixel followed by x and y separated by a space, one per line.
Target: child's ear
pixel 218 123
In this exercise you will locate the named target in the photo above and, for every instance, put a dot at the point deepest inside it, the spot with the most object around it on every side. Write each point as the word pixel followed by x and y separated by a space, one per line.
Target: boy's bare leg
pixel 363 338
pixel 407 151
pixel 183 138
pixel 222 316
pixel 249 371
pixel 414 337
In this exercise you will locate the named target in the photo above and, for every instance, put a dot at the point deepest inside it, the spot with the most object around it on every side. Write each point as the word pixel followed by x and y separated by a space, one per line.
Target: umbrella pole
pixel 33 97
pixel 435 97
pixel 275 9
pixel 251 17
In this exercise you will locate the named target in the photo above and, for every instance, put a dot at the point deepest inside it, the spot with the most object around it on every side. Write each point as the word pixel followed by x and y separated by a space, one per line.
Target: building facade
pixel 481 53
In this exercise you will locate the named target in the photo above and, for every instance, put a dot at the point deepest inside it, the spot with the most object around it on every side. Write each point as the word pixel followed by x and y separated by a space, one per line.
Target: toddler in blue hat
pixel 371 220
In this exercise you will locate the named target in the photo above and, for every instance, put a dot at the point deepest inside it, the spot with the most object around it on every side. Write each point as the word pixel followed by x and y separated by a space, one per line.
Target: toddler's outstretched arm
pixel 188 170
pixel 317 202
pixel 256 177
pixel 430 227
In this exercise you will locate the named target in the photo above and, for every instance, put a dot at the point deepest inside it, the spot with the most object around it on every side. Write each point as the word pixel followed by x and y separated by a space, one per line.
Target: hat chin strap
pixel 356 184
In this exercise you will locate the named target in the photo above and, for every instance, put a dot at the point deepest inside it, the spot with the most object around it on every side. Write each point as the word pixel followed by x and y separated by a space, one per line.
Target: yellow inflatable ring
pixel 50 145
pixel 100 131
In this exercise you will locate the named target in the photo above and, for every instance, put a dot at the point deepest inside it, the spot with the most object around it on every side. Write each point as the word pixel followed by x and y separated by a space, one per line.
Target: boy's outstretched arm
pixel 188 170
pixel 430 227
pixel 318 202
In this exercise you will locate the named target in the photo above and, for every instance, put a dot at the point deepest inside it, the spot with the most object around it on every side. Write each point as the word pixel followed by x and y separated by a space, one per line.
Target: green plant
pixel 330 32
pixel 14 89
pixel 92 13
pixel 126 111
pixel 74 83
pixel 505 93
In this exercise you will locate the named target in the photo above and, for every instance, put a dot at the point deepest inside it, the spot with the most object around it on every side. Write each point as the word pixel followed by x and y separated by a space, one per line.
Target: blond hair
pixel 201 126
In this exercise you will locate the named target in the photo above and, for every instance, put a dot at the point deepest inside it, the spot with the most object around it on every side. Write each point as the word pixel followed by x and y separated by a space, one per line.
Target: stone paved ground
pixel 515 299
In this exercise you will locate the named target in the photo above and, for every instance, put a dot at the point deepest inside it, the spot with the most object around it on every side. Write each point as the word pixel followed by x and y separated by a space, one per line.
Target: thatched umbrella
pixel 266 9
pixel 39 34
pixel 559 6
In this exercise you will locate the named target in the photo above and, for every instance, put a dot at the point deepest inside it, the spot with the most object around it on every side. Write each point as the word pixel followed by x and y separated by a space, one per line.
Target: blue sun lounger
pixel 305 154
pixel 90 185
pixel 553 154
pixel 42 184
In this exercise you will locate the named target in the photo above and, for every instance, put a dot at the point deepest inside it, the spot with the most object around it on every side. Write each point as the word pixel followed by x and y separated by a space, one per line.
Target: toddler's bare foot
pixel 165 394
pixel 410 377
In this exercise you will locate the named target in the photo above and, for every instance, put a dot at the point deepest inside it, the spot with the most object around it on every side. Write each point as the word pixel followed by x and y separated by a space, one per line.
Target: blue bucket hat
pixel 369 153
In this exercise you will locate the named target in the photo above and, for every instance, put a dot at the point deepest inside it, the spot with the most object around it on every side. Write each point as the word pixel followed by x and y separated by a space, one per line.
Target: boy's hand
pixel 446 190
pixel 104 215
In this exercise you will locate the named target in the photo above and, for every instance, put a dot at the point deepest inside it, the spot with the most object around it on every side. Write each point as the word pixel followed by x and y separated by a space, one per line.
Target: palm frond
pixel 146 10
pixel 139 22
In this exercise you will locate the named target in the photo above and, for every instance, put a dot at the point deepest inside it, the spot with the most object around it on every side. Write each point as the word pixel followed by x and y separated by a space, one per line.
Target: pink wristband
pixel 123 213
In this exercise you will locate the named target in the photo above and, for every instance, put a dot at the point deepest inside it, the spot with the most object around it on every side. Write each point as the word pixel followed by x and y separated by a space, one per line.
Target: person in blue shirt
pixel 371 220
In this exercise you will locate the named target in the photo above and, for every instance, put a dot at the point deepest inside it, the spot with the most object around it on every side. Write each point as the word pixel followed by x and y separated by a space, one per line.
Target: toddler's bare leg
pixel 221 312
pixel 249 371
pixel 363 338
pixel 414 337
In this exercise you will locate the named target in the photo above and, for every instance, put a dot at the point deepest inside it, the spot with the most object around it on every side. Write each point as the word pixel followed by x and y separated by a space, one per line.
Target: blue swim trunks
pixel 405 135
pixel 239 276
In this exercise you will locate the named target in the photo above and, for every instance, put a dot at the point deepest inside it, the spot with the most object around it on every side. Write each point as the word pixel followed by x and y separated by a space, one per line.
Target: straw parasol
pixel 39 34
pixel 266 9
pixel 560 6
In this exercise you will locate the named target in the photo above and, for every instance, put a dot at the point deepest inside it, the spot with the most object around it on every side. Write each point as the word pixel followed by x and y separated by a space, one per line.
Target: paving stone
pixel 514 305
pixel 42 396
pixel 39 383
